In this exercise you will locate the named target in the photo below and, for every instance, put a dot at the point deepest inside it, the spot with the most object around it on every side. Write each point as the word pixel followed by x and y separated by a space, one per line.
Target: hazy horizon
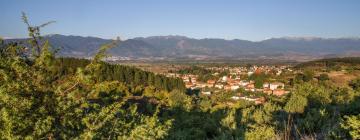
pixel 246 20
pixel 175 35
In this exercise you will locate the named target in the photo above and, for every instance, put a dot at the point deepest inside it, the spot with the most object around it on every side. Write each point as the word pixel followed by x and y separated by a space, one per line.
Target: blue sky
pixel 228 19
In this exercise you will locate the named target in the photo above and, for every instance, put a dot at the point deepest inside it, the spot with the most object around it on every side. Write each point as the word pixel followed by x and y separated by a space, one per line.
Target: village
pixel 236 82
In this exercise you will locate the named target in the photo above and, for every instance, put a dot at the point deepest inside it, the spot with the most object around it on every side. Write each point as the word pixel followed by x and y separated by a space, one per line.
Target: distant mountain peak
pixel 175 46
pixel 52 35
pixel 312 38
pixel 179 37
pixel 300 38
pixel 4 37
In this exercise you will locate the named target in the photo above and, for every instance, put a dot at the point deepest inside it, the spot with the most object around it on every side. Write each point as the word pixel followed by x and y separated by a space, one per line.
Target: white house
pixel 235 97
pixel 224 78
pixel 276 85
pixel 206 92
pixel 266 85
pixel 235 87
pixel 247 98
pixel 220 86
pixel 243 83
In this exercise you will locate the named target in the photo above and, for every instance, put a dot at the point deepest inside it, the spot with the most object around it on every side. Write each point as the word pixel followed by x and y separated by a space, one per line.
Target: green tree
pixel 352 125
pixel 178 99
pixel 260 132
pixel 355 84
pixel 323 77
pixel 308 75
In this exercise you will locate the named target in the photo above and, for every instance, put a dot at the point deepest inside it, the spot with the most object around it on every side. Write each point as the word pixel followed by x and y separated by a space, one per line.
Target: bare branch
pixel 34 34
pixel 47 23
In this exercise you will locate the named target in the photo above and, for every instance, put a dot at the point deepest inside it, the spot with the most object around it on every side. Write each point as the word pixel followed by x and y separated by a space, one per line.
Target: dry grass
pixel 342 78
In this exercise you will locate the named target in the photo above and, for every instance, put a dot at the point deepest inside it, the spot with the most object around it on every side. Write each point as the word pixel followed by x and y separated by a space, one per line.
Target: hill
pixel 331 62
pixel 181 47
pixel 129 75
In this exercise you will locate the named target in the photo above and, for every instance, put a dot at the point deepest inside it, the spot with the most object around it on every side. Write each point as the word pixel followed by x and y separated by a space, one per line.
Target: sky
pixel 228 19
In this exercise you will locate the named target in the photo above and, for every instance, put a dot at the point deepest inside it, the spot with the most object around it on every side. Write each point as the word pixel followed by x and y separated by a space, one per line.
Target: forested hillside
pixel 42 97
pixel 129 75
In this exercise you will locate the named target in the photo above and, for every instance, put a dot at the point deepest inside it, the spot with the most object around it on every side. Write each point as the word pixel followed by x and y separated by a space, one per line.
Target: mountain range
pixel 181 47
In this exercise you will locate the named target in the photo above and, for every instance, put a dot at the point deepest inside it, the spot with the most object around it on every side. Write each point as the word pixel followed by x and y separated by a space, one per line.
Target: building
pixel 256 100
pixel 201 85
pixel 234 87
pixel 266 85
pixel 235 97
pixel 276 85
pixel 211 82
pixel 243 83
pixel 258 89
pixel 250 86
pixel 227 87
pixel 206 92
pixel 267 91
pixel 247 98
pixel 220 86
pixel 224 78
pixel 186 79
pixel 279 92
pixel 193 80
pixel 188 85
pixel 258 71
pixel 232 82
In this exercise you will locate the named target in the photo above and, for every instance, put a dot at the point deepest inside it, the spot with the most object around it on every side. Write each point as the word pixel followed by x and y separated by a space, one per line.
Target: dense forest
pixel 126 74
pixel 44 97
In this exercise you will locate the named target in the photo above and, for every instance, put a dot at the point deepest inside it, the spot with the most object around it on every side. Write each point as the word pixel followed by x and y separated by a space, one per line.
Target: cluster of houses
pixel 233 82
pixel 276 88
pixel 277 70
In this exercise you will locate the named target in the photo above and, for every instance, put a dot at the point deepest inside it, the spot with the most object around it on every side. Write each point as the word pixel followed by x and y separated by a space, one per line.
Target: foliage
pixel 259 79
pixel 323 77
pixel 355 84
pixel 352 124
pixel 126 74
pixel 44 97
pixel 37 101
pixel 261 132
